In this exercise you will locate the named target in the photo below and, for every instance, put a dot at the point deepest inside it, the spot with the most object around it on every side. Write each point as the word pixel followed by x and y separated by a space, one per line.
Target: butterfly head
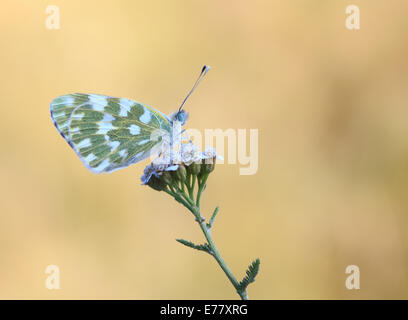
pixel 179 115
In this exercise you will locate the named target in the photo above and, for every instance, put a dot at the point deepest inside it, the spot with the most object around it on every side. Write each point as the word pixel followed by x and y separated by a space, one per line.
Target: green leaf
pixel 251 273
pixel 210 224
pixel 202 247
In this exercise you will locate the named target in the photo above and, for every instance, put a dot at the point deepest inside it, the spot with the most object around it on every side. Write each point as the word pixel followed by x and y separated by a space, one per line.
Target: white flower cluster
pixel 170 160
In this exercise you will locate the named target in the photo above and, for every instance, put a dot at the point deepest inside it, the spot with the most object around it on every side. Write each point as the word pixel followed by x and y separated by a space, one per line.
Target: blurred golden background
pixel 331 108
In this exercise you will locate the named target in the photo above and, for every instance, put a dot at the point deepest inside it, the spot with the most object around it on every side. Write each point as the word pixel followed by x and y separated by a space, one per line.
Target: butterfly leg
pixel 186 136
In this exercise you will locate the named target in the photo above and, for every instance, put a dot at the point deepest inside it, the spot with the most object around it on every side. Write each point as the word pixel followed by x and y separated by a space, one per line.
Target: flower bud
pixel 181 173
pixel 195 168
pixel 156 183
pixel 209 165
pixel 166 178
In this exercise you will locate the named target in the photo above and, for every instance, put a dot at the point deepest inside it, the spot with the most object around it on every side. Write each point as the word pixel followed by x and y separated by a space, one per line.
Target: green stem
pixel 180 199
pixel 201 185
pixel 217 256
pixel 194 207
pixel 192 187
pixel 187 183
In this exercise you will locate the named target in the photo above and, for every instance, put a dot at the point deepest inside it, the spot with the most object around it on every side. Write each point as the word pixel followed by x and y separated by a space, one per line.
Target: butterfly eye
pixel 180 116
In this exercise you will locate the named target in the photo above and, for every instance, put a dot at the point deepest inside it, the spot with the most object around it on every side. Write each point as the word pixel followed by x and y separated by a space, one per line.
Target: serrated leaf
pixel 251 273
pixel 201 247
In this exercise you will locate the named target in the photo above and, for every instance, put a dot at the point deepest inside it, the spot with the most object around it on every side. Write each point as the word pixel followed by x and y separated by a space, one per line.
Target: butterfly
pixel 109 133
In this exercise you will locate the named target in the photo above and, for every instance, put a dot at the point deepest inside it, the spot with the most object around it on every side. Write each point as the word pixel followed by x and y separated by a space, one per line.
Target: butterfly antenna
pixel 200 77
